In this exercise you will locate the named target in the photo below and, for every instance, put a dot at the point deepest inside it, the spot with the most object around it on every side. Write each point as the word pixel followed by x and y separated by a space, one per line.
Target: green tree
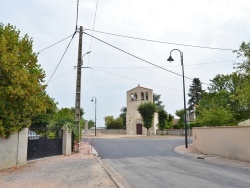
pixel 123 115
pixel 162 119
pixel 180 114
pixel 147 111
pixel 22 92
pixel 66 117
pixel 112 123
pixel 91 123
pixel 170 121
pixel 195 94
pixel 243 69
pixel 157 101
pixel 215 115
pixel 44 119
pixel 228 91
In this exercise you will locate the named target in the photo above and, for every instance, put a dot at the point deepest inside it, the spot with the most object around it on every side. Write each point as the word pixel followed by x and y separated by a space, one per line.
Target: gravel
pixel 62 171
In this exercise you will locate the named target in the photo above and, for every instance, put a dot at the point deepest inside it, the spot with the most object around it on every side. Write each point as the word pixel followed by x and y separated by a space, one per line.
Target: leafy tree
pixel 147 111
pixel 228 91
pixel 216 115
pixel 180 114
pixel 66 117
pixel 157 101
pixel 91 123
pixel 112 123
pixel 22 92
pixel 123 115
pixel 170 121
pixel 44 119
pixel 195 93
pixel 243 69
pixel 162 119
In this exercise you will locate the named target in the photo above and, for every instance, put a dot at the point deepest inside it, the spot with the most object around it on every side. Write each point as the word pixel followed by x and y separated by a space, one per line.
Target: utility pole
pixel 78 86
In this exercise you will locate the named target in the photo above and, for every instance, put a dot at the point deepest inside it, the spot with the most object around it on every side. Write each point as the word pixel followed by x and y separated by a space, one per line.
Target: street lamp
pixel 95 112
pixel 85 54
pixel 183 78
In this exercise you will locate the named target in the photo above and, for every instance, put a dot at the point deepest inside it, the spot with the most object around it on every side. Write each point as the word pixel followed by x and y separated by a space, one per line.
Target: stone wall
pixel 228 142
pixel 107 131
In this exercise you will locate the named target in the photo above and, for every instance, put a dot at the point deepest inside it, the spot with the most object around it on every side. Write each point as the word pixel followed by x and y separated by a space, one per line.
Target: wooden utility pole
pixel 78 85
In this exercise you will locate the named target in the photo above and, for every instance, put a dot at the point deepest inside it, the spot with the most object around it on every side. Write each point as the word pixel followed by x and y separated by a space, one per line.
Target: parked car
pixel 33 136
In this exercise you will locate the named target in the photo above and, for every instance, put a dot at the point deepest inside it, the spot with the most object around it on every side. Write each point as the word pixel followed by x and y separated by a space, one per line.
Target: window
pixel 132 96
pixel 135 96
pixel 142 96
pixel 146 95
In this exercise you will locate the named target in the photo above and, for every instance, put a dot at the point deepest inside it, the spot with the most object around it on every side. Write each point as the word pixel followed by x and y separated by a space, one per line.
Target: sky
pixel 179 24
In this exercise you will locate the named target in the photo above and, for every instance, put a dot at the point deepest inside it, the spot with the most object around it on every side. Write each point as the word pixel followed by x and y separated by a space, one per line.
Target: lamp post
pixel 184 96
pixel 95 112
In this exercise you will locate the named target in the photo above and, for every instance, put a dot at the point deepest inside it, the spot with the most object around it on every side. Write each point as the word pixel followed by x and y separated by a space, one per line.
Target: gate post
pixel 22 147
pixel 66 146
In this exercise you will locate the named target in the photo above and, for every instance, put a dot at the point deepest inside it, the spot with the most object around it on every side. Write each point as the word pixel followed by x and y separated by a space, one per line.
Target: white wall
pixel 228 142
pixel 13 151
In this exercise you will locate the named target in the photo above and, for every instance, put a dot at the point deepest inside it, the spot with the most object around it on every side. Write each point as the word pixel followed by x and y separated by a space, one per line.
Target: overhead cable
pixel 62 57
pixel 92 31
pixel 157 41
pixel 134 79
pixel 55 43
pixel 139 57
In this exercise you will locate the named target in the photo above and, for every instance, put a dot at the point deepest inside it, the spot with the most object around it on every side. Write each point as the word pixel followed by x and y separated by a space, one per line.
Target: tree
pixel 44 119
pixel 91 123
pixel 157 101
pixel 66 117
pixel 243 69
pixel 147 111
pixel 112 123
pixel 22 92
pixel 162 119
pixel 229 91
pixel 123 115
pixel 195 94
pixel 216 115
pixel 180 114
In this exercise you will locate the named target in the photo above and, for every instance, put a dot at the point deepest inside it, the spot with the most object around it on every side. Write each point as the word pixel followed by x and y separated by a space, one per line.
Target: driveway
pixel 153 163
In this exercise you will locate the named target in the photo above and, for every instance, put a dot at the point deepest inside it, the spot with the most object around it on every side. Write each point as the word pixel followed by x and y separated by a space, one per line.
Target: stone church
pixel 134 124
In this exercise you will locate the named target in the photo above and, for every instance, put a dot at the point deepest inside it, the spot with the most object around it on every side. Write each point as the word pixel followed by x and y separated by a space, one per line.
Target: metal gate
pixel 44 142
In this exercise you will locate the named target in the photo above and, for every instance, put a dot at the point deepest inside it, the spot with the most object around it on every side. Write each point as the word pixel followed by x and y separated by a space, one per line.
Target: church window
pixel 146 95
pixel 142 96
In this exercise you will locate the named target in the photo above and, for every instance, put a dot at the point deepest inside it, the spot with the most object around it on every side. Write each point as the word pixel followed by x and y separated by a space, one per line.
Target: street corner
pixel 190 151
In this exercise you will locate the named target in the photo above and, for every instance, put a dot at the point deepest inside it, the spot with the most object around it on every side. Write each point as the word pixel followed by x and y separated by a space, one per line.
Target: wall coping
pixel 220 127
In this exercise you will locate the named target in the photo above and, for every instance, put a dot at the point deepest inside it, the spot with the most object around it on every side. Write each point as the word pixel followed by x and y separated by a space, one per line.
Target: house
pixel 135 97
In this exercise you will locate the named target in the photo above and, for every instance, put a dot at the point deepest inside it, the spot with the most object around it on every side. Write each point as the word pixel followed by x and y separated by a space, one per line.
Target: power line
pixel 157 41
pixel 134 79
pixel 62 75
pixel 162 66
pixel 139 57
pixel 92 31
pixel 55 43
pixel 61 58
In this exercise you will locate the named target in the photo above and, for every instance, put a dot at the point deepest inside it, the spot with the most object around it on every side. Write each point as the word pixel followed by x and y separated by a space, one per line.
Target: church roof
pixel 139 87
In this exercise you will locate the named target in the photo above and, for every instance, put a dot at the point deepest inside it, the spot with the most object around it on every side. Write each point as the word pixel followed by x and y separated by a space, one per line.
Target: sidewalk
pixel 192 152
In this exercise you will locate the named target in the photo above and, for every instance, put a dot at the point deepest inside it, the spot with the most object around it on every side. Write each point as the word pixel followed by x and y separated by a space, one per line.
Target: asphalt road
pixel 153 163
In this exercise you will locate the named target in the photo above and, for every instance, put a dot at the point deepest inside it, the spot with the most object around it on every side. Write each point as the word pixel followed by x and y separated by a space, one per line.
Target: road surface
pixel 153 163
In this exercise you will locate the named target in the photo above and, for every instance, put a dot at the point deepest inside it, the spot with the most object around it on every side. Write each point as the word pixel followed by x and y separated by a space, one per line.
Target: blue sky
pixel 210 23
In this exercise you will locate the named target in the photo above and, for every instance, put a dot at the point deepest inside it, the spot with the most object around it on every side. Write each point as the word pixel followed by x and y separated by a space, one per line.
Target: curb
pixel 115 176
pixel 192 152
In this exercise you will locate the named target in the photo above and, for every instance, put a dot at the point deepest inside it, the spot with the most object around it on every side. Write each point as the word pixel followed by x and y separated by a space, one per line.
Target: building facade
pixel 134 124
